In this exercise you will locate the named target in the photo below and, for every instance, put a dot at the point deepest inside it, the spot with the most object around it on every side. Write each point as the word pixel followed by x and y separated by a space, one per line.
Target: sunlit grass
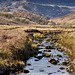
pixel 69 42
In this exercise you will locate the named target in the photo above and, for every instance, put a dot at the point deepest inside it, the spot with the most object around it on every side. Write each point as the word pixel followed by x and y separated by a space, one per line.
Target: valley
pixel 37 37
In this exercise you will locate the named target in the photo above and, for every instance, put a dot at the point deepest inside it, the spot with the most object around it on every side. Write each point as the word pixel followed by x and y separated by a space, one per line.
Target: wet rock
pixel 59 55
pixel 39 57
pixel 38 45
pixel 41 70
pixel 63 72
pixel 58 58
pixel 70 69
pixel 14 68
pixel 39 51
pixel 36 60
pixel 48 66
pixel 41 45
pixel 31 69
pixel 53 61
pixel 61 68
pixel 50 73
pixel 59 49
pixel 29 64
pixel 58 64
pixel 58 71
pixel 49 47
pixel 47 55
pixel 65 63
pixel 19 67
pixel 26 71
pixel 21 71
pixel 33 30
pixel 47 50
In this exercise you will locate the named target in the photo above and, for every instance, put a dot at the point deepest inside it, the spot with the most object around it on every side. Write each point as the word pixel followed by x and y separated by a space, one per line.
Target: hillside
pixel 45 8
pixel 7 18
pixel 67 20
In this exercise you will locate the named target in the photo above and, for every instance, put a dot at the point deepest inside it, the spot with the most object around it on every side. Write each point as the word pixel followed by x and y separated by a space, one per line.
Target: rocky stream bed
pixel 48 61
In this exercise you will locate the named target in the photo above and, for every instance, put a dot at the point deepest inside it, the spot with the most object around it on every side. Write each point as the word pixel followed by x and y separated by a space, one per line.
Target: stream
pixel 42 66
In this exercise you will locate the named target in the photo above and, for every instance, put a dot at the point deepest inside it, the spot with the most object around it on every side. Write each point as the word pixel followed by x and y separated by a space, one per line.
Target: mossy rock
pixel 59 55
pixel 39 51
pixel 36 59
pixel 41 45
pixel 39 57
pixel 41 70
pixel 26 71
pixel 23 71
pixel 53 61
pixel 28 64
pixel 65 53
pixel 61 68
pixel 60 50
pixel 47 50
pixel 49 47
pixel 50 73
pixel 47 55
pixel 65 63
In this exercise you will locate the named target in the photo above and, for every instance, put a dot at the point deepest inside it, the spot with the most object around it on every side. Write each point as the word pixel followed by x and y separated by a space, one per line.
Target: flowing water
pixel 42 66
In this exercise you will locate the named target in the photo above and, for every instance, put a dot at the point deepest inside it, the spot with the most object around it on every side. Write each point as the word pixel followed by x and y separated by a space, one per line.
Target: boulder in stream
pixel 49 47
pixel 39 57
pixel 47 50
pixel 61 68
pixel 26 71
pixel 65 62
pixel 53 61
pixel 47 55
pixel 59 55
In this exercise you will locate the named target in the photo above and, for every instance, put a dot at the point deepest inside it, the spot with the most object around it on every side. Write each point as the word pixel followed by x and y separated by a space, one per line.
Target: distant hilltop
pixel 46 8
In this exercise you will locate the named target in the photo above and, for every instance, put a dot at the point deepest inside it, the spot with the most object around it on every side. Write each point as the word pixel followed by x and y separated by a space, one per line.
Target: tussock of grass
pixel 39 36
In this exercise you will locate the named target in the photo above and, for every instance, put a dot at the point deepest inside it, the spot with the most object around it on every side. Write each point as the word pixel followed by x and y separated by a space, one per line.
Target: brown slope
pixel 7 18
pixel 68 19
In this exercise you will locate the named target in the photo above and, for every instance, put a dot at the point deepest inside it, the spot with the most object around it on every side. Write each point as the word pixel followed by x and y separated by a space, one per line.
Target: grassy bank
pixel 16 47
pixel 65 41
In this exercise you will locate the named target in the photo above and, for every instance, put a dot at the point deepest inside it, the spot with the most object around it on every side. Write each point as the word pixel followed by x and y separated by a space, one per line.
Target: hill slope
pixel 68 19
pixel 19 17
pixel 45 8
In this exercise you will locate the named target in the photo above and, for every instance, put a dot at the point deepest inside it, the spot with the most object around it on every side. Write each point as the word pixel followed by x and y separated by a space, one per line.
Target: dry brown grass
pixel 11 37
pixel 11 40
pixel 7 18
pixel 67 40
pixel 15 45
pixel 65 21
